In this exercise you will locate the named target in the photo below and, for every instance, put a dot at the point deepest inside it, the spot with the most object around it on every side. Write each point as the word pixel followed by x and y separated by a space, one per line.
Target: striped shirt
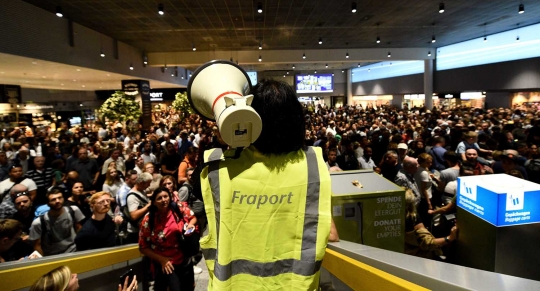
pixel 41 178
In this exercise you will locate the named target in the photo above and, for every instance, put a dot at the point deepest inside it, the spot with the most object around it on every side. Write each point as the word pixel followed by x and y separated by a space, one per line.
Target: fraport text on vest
pixel 260 199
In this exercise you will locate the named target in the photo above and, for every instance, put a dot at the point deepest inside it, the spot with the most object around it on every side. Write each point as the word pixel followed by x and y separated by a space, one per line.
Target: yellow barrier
pixel 360 276
pixel 22 277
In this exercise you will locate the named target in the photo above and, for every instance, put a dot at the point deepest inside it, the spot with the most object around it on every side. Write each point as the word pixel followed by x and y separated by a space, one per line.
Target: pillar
pixel 428 83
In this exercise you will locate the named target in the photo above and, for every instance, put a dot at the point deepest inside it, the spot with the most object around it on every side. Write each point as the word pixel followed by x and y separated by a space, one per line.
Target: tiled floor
pixel 201 280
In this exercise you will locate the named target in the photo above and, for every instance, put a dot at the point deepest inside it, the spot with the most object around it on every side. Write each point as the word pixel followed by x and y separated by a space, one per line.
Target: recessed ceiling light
pixel 43 77
pixel 59 11
pixel 108 75
pixel 320 40
pixel 78 70
pixel 353 7
pixel 83 86
pixel 74 80
pixel 161 11
pixel 259 7
pixel 61 84
pixel 34 63
pixel 441 8
pixel 2 72
pixel 521 9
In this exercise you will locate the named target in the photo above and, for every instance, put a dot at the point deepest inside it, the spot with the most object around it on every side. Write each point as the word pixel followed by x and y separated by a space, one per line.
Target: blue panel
pixel 500 47
pixel 525 211
pixel 477 200
pixel 387 70
pixel 252 77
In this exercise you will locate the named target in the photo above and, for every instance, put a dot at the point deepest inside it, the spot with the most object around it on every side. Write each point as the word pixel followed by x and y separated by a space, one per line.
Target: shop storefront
pixel 374 100
pixel 525 98
pixel 473 99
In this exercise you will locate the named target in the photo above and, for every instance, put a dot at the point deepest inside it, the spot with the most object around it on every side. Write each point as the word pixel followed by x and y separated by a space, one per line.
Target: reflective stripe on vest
pixel 307 265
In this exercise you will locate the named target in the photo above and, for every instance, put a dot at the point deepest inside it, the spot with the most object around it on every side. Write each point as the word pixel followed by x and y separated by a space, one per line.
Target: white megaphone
pixel 220 90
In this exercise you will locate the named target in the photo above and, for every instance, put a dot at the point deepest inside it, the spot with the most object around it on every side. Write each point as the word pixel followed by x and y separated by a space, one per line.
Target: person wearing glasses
pixel 99 231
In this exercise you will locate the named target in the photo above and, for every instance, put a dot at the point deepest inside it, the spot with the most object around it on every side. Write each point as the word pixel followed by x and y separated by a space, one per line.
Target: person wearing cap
pixel 7 208
pixel 23 205
pixel 402 151
pixel 509 162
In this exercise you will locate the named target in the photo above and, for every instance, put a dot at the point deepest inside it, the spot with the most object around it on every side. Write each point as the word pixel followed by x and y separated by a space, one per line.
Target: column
pixel 428 83
pixel 349 87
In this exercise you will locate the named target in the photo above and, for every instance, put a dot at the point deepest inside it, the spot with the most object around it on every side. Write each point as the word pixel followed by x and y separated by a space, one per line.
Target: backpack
pixel 196 205
pixel 44 229
pixel 125 210
pixel 534 165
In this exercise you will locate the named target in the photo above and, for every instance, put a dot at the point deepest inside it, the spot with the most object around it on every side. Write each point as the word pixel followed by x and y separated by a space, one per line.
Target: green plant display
pixel 120 107
pixel 181 104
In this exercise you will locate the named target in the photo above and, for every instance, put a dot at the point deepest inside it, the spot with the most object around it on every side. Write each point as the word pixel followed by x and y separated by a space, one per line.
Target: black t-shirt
pixel 84 207
pixel 96 234
pixel 171 162
pixel 26 221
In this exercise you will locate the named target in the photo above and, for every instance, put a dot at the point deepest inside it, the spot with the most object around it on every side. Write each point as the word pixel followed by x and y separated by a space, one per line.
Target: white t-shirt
pixel 422 177
pixel 134 203
pixel 149 158
pixel 6 184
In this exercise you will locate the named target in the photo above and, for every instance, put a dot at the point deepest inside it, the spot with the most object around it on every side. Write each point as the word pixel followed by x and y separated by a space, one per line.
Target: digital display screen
pixel 314 83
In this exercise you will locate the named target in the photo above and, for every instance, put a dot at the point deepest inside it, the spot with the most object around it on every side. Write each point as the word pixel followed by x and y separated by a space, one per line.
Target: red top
pixel 163 240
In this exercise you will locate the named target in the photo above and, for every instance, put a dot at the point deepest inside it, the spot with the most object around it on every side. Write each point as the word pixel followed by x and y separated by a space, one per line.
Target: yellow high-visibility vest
pixel 268 219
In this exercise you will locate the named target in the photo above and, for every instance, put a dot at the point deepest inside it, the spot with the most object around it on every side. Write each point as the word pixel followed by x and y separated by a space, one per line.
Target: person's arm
pixel 445 209
pixel 442 240
pixel 164 169
pixel 137 214
pixel 37 246
pixel 78 227
pixel 166 265
pixel 96 177
pixel 423 190
pixel 182 172
pixel 334 237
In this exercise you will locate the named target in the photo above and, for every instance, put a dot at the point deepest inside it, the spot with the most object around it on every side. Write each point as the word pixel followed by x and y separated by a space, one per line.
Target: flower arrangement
pixel 120 107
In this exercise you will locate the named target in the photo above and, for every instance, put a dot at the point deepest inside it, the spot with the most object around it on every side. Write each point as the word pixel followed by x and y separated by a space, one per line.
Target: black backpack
pixel 44 228
pixel 125 210
pixel 196 205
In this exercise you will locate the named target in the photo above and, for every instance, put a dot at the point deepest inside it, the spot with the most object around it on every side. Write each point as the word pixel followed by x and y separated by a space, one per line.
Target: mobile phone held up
pixel 189 230
pixel 127 274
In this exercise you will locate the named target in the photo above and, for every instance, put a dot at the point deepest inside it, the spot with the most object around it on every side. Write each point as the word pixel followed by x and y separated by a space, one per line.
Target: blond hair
pixel 55 280
pixel 410 207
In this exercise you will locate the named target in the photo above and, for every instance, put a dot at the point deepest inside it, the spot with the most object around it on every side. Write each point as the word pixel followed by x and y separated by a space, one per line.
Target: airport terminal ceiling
pixel 233 26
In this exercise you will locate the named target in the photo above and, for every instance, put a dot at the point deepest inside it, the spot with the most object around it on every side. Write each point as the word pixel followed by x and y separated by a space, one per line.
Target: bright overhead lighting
pixel 521 9
pixel 260 45
pixel 353 7
pixel 320 40
pixel 59 11
pixel 359 65
pixel 441 8
pixel 315 72
pixel 332 74
pixel 378 39
pixel 347 55
pixel 389 54
pixel 343 71
pixel 429 54
pixel 433 40
pixel 161 11
pixel 326 66
pixel 172 74
pixel 259 7
pixel 131 67
pixel 304 56
pixel 287 72
pixel 293 66
pixel 102 54
pixel 260 58
pixel 485 38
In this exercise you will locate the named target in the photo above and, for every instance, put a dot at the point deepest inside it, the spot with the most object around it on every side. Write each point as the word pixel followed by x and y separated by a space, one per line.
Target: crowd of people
pixel 105 184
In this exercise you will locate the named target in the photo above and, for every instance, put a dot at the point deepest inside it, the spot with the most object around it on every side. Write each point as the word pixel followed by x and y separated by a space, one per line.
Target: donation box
pixel 498 217
pixel 368 209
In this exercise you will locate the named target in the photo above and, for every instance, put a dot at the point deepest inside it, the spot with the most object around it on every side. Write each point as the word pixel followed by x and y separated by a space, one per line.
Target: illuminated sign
pixel 156 96
pixel 500 199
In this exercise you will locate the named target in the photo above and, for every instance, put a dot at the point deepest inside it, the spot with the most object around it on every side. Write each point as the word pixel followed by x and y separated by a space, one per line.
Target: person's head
pixel 77 188
pixel 3 158
pixel 100 202
pixel 115 154
pixel 59 279
pixel 471 155
pixel 410 204
pixel 410 165
pixel 161 199
pixel 15 172
pixel 368 153
pixel 131 177
pixel 191 153
pixel 149 168
pixel 39 162
pixel 58 164
pixel 140 162
pixel 508 159
pixel 147 147
pixel 402 149
pixel 466 169
pixel 168 182
pixel 143 181
pixel 390 158
pixel 55 199
pixel 83 154
pixel 332 155
pixel 10 233
pixel 23 153
pixel 440 141
pixel 282 117
pixel 425 160
pixel 189 173
pixel 170 148
pixel 22 201
pixel 471 137
pixel 111 176
pixel 72 176
pixel 451 158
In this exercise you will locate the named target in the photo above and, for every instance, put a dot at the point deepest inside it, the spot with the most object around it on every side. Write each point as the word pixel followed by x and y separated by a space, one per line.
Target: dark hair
pixel 282 118
pixel 53 191
pixel 152 211
pixel 466 166
pixel 451 156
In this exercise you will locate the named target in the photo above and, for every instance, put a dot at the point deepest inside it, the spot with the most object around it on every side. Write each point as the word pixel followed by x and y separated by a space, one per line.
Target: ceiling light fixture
pixel 131 67
pixel 517 38
pixel 59 11
pixel 259 7
pixel 352 73
pixel 260 58
pixel 359 65
pixel 429 54
pixel 161 10
pixel 320 40
pixel 304 56
pixel 343 71
pixel 353 7
pixel 193 47
pixel 102 54
pixel 433 40
pixel 378 39
pixel 389 54
pixel 332 74
pixel 315 72
pixel 347 54
pixel 172 74
pixel 260 45
pixel 326 66
pixel 441 7
pixel 145 59
pixel 287 72
pixel 521 9
pixel 293 66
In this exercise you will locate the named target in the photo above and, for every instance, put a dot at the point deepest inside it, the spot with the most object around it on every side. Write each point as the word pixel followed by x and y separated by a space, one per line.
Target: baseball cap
pixel 402 146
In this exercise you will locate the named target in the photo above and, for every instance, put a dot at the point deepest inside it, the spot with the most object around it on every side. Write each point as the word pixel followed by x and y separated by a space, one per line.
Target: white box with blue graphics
pixel 500 199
